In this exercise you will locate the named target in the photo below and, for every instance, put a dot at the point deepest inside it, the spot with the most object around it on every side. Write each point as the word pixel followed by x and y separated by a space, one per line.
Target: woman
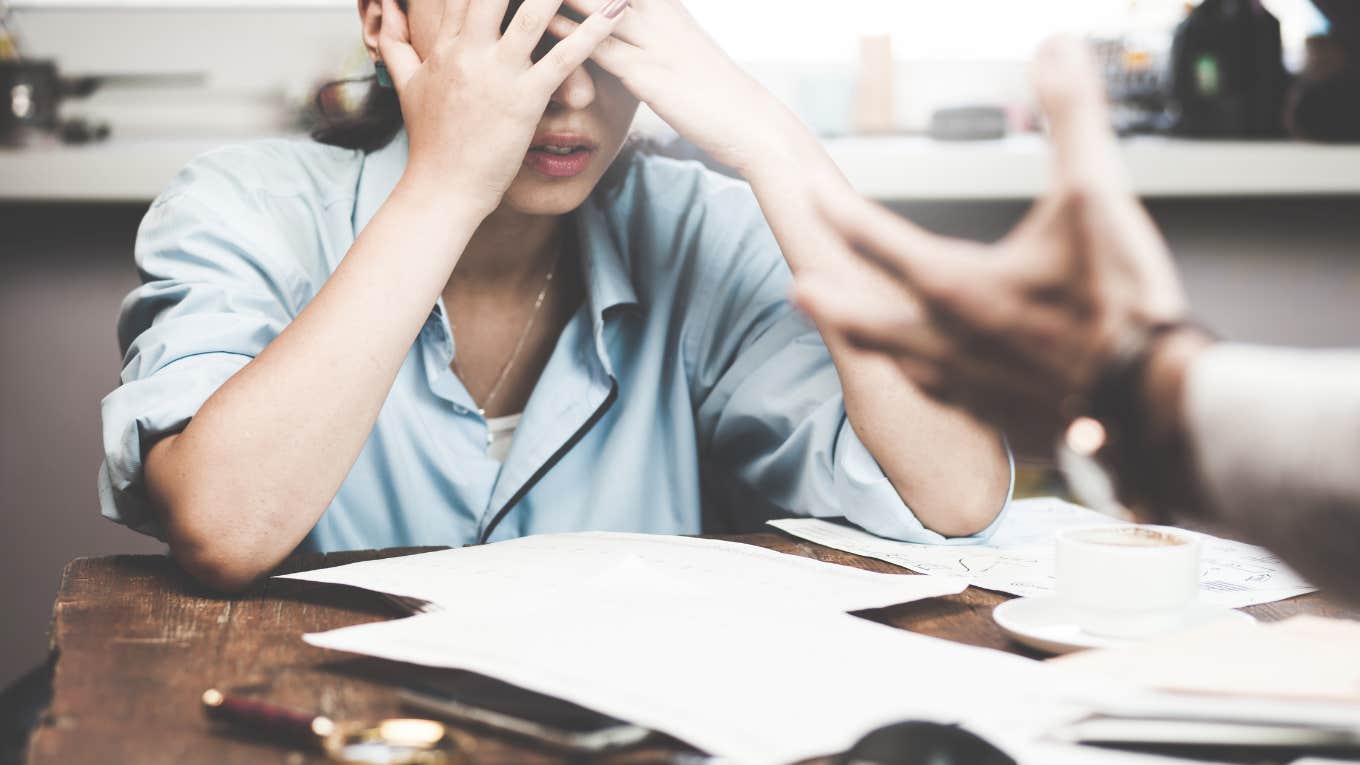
pixel 332 346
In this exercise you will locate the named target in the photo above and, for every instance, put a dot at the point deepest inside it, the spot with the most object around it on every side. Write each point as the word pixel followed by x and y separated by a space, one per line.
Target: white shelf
pixel 886 168
pixel 892 168
pixel 175 5
pixel 113 171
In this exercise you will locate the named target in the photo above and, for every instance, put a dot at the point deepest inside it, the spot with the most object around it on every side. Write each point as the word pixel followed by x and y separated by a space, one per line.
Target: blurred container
pixel 1324 103
pixel 29 93
pixel 874 111
pixel 968 123
pixel 1228 78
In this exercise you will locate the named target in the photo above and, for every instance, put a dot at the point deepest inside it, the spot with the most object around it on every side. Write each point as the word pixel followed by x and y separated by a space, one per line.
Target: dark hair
pixel 369 128
pixel 378 119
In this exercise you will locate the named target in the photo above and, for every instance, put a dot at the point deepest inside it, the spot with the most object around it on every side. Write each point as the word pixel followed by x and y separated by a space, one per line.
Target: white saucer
pixel 1048 625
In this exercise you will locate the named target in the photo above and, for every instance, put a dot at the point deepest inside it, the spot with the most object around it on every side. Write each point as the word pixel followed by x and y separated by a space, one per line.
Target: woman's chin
pixel 543 197
pixel 546 191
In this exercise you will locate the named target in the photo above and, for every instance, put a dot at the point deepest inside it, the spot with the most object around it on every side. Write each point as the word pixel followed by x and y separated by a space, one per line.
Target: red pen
pixel 292 725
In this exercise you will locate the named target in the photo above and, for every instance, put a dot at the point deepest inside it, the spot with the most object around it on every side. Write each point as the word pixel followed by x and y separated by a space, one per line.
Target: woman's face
pixel 578 137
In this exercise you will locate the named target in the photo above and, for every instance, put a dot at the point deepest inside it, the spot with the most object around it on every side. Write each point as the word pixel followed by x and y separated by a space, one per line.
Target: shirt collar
pixel 608 282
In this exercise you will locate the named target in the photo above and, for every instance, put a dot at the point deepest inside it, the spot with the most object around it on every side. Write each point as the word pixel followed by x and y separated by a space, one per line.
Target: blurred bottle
pixel 1227 72
pixel 1324 103
pixel 9 35
pixel 874 107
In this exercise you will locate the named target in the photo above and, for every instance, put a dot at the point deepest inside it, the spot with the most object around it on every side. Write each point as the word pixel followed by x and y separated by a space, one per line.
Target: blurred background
pixel 1239 116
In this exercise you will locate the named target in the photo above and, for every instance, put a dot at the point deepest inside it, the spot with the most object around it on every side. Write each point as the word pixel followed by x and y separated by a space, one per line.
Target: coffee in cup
pixel 1128 580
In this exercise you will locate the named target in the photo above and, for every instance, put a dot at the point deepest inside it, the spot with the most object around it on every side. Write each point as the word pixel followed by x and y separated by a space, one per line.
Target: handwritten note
pixel 1019 557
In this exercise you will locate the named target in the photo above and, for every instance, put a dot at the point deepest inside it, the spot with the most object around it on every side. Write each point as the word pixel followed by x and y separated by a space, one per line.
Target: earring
pixel 383 76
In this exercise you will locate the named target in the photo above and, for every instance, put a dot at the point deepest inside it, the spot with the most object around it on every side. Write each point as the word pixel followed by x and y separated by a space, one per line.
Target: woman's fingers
pixel 527 28
pixel 925 375
pixel 1072 94
pixel 613 54
pixel 627 30
pixel 455 14
pixel 394 43
pixel 484 19
pixel 576 48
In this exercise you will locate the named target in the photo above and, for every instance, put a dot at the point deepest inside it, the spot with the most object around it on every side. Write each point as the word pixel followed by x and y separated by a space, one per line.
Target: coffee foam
pixel 1129 536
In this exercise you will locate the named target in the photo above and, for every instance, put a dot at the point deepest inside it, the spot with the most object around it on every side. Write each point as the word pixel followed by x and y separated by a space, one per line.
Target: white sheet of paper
pixel 750 686
pixel 573 567
pixel 743 652
pixel 1303 659
pixel 1019 557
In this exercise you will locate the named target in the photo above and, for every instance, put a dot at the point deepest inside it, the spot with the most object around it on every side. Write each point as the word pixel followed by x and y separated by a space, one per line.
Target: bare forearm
pixel 785 167
pixel 262 459
pixel 952 471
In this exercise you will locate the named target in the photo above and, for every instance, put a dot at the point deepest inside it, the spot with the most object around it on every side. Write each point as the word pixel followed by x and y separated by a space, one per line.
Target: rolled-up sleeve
pixel 769 406
pixel 216 289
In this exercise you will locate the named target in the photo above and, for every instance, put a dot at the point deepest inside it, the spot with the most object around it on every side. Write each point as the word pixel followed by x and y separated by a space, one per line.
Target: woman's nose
pixel 577 92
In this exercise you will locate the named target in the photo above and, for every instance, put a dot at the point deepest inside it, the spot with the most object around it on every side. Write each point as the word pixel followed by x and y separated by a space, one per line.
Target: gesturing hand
pixel 1017 330
pixel 472 105
pixel 666 60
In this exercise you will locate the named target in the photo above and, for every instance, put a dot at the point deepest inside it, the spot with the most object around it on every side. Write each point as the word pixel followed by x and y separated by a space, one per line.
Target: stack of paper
pixel 1294 683
pixel 1306 658
pixel 745 653
pixel 1018 559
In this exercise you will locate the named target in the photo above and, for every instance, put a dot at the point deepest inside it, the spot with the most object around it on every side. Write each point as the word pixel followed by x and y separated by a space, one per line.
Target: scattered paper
pixel 740 651
pixel 591 566
pixel 735 683
pixel 1019 558
pixel 1306 658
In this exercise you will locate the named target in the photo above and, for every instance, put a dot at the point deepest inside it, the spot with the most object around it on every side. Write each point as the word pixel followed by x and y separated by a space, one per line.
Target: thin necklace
pixel 519 345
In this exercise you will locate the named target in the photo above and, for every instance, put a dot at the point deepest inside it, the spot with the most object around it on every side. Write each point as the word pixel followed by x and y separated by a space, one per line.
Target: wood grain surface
pixel 138 642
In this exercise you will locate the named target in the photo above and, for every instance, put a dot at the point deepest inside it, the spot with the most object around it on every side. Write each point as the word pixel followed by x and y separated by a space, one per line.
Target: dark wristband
pixel 1153 469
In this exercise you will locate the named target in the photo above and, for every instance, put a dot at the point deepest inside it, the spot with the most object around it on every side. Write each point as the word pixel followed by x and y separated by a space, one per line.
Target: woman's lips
pixel 560 155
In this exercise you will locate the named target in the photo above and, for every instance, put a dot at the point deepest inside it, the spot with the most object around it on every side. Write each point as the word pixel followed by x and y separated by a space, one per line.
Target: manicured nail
pixel 616 7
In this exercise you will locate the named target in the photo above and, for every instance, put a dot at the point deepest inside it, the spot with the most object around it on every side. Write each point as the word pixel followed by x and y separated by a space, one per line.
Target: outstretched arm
pixel 1020 332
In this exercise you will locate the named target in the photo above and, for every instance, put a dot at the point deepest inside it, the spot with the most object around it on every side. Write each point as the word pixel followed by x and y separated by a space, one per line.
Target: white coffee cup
pixel 1128 580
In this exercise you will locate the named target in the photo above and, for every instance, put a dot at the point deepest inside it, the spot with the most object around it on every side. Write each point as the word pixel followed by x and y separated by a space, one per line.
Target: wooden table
pixel 138 642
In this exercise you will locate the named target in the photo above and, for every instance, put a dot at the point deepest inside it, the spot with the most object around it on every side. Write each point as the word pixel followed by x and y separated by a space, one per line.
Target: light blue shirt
pixel 685 396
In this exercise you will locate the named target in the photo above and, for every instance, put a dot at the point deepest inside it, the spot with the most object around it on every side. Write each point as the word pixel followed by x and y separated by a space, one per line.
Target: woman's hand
pixel 1014 332
pixel 663 57
pixel 472 105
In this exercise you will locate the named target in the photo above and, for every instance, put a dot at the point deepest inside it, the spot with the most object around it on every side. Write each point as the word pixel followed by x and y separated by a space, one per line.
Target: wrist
pixel 1137 401
pixel 446 196
pixel 783 147
pixel 1162 389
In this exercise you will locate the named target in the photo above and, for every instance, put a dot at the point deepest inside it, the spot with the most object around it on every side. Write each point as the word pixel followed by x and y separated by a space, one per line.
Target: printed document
pixel 1019 558
pixel 743 652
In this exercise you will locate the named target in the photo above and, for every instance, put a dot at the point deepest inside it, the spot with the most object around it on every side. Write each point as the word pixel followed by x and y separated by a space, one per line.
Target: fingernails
pixel 614 8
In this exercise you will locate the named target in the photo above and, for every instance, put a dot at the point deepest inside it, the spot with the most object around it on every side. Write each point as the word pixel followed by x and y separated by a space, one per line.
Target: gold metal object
pixel 398 741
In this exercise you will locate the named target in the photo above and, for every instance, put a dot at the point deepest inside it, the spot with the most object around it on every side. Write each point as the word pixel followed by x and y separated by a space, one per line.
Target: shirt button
pixel 460 409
